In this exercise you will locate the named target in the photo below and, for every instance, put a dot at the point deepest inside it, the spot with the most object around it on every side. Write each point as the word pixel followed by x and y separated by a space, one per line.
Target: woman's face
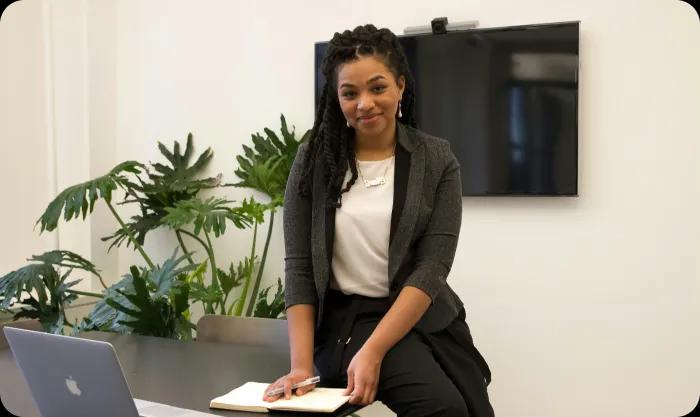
pixel 369 95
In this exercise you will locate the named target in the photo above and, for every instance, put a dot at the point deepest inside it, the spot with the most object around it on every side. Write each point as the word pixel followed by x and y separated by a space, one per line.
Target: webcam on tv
pixel 440 26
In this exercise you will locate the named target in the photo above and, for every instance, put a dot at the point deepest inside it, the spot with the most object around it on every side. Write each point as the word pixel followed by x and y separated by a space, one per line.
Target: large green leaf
pixel 255 210
pixel 105 318
pixel 139 226
pixel 66 259
pixel 29 278
pixel 273 308
pixel 166 278
pixel 266 166
pixel 165 186
pixel 80 199
pixel 150 302
pixel 179 176
pixel 40 286
pixel 209 215
pixel 206 294
pixel 151 316
pixel 235 276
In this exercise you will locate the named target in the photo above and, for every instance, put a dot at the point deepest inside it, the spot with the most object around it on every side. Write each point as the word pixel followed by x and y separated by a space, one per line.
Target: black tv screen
pixel 506 99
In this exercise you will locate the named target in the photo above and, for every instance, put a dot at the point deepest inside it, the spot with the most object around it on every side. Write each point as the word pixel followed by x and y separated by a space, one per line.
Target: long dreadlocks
pixel 331 139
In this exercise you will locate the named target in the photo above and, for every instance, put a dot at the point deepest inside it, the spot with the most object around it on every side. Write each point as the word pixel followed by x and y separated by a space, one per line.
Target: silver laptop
pixel 69 376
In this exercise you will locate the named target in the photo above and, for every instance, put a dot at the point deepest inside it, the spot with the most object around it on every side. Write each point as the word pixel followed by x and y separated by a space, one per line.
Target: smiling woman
pixel 366 264
pixel 370 99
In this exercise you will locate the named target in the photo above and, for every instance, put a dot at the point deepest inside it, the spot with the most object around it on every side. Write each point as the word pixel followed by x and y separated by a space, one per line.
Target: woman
pixel 366 261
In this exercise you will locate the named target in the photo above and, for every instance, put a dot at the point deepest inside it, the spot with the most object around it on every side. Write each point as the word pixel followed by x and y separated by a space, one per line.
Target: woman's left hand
pixel 363 375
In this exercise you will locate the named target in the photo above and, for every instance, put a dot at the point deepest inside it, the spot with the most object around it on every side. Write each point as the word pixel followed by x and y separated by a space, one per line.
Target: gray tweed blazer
pixel 425 224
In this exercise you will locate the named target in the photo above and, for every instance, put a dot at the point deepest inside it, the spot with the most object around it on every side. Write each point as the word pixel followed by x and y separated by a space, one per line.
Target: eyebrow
pixel 371 80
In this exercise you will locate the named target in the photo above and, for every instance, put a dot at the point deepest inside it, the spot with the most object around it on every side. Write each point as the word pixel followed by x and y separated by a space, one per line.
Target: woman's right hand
pixel 286 381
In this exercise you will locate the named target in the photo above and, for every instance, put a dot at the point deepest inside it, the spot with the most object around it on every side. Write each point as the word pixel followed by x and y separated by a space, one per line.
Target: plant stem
pixel 214 270
pixel 184 248
pixel 256 286
pixel 195 237
pixel 86 293
pixel 244 293
pixel 130 235
pixel 208 307
pixel 102 282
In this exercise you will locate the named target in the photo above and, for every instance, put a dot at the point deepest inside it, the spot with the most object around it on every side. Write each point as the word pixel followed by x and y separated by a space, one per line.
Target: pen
pixel 308 381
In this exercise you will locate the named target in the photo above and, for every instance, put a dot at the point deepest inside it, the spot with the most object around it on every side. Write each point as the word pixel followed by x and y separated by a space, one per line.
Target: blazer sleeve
pixel 299 278
pixel 435 249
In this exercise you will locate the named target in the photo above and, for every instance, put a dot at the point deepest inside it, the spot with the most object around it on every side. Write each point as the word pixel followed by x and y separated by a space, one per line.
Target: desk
pixel 178 373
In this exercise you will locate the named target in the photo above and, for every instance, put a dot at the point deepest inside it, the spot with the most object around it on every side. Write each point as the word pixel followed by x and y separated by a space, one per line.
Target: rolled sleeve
pixel 435 249
pixel 299 278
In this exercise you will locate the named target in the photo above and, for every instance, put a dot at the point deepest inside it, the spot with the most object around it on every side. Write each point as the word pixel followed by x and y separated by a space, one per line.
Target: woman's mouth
pixel 369 119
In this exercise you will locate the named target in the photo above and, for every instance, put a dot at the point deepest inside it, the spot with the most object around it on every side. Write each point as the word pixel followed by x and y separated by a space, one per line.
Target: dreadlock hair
pixel 331 139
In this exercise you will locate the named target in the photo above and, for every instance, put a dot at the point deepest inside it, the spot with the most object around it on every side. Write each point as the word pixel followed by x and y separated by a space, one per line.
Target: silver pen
pixel 308 381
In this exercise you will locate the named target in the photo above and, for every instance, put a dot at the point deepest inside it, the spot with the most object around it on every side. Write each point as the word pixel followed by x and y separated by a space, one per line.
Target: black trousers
pixel 424 374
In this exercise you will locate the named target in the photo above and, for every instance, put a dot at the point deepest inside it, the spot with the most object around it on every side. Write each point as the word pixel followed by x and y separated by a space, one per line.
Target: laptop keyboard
pixel 153 409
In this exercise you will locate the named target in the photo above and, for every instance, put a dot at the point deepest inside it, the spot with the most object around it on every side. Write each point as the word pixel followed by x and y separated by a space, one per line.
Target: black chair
pixel 253 331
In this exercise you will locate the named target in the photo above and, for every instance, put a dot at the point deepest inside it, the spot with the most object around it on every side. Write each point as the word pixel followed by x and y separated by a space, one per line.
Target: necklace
pixel 380 180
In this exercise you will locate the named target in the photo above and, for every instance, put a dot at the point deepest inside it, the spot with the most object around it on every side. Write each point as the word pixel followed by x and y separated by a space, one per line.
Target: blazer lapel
pixel 401 169
pixel 412 167
pixel 320 230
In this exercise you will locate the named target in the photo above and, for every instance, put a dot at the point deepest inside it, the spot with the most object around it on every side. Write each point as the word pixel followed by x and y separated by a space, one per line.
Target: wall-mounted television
pixel 507 100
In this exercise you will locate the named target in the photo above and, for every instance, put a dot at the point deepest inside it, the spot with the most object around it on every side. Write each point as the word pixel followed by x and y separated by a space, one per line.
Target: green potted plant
pixel 155 299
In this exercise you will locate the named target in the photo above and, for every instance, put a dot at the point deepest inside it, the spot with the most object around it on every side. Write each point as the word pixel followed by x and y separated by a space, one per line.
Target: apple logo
pixel 72 385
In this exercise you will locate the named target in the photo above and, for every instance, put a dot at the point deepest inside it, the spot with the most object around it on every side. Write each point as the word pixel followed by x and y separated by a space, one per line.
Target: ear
pixel 402 84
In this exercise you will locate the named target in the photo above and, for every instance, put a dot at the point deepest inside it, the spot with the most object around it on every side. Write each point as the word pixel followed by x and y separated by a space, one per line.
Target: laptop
pixel 69 376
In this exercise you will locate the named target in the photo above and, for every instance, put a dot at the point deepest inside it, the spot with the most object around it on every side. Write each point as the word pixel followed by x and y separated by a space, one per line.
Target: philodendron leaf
pixel 235 276
pixel 66 259
pixel 139 226
pixel 209 215
pixel 165 185
pixel 267 166
pixel 80 199
pixel 264 175
pixel 179 176
pixel 104 317
pixel 28 279
pixel 40 286
pixel 204 293
pixel 273 308
pixel 165 278
pixel 256 210
pixel 149 302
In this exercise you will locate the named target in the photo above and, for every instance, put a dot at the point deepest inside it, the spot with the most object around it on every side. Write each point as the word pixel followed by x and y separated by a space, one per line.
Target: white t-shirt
pixel 360 261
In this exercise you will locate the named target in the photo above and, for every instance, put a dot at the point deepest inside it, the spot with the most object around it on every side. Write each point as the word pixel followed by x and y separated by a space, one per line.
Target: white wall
pixel 44 121
pixel 582 306
pixel 27 170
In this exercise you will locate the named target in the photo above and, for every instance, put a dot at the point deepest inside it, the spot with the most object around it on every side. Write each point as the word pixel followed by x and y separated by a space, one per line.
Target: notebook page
pixel 249 395
pixel 319 400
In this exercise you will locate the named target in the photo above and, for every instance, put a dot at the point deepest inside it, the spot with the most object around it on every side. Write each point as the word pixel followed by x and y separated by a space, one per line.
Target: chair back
pixel 253 331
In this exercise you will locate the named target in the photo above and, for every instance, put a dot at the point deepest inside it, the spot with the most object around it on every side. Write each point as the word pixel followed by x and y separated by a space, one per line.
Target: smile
pixel 369 119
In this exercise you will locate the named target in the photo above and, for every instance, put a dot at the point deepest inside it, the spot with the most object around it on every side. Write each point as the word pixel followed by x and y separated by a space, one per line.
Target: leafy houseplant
pixel 155 299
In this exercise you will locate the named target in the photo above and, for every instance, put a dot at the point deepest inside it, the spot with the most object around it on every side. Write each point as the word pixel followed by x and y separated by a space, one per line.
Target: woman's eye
pixel 379 88
pixel 348 94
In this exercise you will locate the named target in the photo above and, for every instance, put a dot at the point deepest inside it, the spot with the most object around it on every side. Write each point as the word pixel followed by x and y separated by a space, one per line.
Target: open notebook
pixel 248 397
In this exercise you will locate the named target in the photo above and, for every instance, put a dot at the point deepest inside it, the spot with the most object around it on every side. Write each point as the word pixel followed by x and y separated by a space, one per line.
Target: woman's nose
pixel 365 103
